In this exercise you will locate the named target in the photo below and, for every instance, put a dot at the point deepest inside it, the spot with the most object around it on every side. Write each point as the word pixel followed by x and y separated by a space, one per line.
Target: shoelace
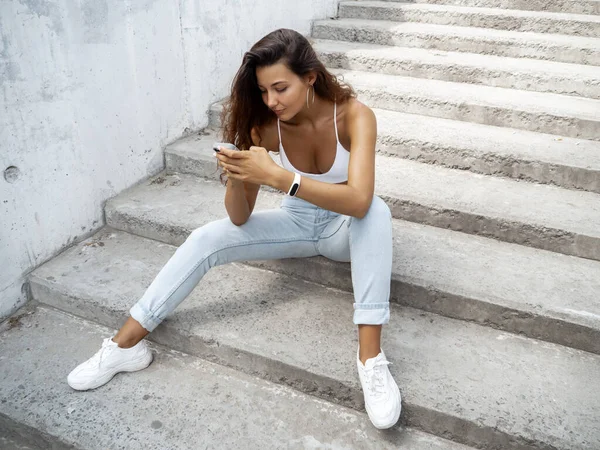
pixel 97 358
pixel 375 377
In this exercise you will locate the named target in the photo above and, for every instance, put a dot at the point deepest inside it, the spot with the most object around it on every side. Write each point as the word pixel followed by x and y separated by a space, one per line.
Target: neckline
pixel 338 144
pixel 308 173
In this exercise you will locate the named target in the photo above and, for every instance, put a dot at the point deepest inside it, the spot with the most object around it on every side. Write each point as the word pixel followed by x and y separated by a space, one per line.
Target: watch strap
pixel 295 185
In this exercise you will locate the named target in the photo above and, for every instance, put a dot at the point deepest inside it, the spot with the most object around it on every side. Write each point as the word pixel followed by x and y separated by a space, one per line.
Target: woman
pixel 282 94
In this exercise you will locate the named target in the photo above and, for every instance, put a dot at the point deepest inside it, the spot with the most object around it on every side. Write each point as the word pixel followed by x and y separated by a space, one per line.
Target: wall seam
pixel 186 93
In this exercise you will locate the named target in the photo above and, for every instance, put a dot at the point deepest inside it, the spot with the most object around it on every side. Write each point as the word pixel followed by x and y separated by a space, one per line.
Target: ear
pixel 310 78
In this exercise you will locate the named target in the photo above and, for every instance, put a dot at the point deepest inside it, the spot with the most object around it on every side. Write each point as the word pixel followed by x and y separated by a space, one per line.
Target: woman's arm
pixel 353 199
pixel 240 196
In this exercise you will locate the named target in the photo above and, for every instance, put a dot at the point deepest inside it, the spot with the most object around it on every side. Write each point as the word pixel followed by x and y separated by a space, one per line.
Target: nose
pixel 272 101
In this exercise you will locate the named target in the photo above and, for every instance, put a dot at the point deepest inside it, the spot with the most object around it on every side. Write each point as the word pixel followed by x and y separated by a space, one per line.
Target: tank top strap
pixel 279 132
pixel 335 121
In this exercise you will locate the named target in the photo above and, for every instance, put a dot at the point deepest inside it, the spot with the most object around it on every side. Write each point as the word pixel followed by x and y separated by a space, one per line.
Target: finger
pixel 229 153
pixel 222 152
pixel 232 162
pixel 221 157
pixel 255 148
pixel 230 168
pixel 234 176
pixel 222 165
pixel 237 154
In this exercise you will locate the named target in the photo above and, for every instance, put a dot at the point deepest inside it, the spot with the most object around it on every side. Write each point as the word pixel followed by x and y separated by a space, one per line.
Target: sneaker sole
pixel 142 364
pixel 393 422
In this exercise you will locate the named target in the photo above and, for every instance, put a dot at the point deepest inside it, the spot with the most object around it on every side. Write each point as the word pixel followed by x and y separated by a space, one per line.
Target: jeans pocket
pixel 327 233
pixel 334 242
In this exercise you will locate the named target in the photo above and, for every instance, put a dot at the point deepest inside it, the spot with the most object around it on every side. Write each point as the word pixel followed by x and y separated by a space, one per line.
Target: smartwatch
pixel 295 185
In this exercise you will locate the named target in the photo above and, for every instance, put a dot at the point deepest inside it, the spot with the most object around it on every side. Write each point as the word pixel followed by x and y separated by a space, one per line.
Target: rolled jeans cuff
pixel 371 313
pixel 145 318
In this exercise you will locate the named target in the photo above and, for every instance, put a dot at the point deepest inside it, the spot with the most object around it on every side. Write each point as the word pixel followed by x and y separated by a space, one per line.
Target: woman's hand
pixel 252 166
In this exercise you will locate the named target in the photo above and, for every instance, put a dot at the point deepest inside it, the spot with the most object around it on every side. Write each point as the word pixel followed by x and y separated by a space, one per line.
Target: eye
pixel 281 90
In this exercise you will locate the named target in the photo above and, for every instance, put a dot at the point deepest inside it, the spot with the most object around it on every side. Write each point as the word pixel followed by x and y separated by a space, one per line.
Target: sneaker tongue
pixel 108 342
pixel 369 363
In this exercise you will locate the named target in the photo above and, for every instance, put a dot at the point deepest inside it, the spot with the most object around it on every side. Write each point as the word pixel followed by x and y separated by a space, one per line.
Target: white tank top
pixel 338 172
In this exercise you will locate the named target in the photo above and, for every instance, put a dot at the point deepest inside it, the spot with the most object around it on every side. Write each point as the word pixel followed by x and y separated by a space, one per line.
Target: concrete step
pixel 514 44
pixel 473 384
pixel 518 154
pixel 466 16
pixel 566 6
pixel 179 402
pixel 14 436
pixel 562 115
pixel 529 214
pixel 533 111
pixel 519 289
pixel 515 73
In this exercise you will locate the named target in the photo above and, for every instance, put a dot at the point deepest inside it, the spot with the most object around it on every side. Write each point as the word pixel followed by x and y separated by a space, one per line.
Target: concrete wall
pixel 91 92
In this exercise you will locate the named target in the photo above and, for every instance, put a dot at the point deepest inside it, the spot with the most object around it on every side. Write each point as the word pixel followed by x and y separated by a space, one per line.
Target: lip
pixel 278 111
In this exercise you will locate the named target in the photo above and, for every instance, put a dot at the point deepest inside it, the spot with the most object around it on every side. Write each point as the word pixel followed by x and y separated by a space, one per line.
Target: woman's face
pixel 282 90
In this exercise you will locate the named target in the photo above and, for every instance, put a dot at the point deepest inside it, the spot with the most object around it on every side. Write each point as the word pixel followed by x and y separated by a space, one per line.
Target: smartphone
pixel 216 146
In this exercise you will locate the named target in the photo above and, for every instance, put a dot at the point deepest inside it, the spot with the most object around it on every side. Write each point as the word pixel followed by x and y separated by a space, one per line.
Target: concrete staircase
pixel 489 157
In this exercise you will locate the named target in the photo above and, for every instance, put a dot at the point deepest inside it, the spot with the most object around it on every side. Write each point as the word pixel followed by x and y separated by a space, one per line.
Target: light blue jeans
pixel 298 229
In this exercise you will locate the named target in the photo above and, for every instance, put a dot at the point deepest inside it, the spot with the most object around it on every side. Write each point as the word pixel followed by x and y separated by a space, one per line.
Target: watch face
pixel 294 190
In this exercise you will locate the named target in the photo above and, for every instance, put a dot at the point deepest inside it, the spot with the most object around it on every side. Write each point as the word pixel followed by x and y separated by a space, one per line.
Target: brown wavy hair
pixel 245 109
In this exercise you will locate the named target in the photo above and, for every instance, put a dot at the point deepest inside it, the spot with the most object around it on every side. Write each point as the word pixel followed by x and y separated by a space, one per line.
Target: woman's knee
pixel 378 209
pixel 197 236
pixel 207 236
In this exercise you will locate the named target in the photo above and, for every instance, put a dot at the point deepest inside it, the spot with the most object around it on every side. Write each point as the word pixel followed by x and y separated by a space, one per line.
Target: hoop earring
pixel 313 97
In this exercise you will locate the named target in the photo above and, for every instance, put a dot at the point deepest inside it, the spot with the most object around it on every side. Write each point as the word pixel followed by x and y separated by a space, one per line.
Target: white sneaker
pixel 382 396
pixel 107 362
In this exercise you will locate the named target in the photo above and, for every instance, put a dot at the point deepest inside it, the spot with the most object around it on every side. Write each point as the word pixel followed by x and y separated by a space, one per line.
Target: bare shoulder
pixel 356 111
pixel 359 119
pixel 266 136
